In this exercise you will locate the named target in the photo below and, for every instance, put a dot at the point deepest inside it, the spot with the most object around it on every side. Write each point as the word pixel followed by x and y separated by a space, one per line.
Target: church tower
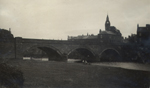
pixel 107 24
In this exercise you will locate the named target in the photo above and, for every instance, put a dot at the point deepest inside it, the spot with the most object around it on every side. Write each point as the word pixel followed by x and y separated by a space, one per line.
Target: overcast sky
pixel 56 19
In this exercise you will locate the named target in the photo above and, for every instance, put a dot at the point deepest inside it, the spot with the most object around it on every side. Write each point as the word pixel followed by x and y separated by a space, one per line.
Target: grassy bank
pixel 39 74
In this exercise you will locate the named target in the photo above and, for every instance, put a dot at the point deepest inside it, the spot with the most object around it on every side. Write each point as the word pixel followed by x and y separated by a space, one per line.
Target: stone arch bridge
pixel 91 50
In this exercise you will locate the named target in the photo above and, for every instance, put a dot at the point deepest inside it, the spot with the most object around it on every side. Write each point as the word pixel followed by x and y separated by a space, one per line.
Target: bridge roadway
pixel 92 49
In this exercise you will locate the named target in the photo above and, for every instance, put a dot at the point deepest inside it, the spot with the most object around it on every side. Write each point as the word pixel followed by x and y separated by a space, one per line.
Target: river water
pixel 136 75
pixel 126 65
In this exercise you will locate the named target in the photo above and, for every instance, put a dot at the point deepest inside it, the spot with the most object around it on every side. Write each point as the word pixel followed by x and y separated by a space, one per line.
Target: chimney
pixel 10 30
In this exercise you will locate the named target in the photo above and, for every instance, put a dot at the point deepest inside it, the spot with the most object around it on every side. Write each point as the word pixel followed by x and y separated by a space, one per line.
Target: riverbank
pixel 46 74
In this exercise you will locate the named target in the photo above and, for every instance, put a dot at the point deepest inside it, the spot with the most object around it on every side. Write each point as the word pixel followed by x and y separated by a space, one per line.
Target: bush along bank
pixel 10 76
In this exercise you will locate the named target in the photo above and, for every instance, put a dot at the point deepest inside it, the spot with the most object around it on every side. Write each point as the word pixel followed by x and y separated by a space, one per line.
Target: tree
pixel 10 77
pixel 6 44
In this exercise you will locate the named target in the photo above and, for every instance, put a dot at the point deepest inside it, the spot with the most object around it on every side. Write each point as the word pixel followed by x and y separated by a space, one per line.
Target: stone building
pixel 109 35
pixel 143 33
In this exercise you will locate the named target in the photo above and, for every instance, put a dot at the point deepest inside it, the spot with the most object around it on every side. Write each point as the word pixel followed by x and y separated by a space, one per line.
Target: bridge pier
pixel 97 58
pixel 64 57
pixel 18 48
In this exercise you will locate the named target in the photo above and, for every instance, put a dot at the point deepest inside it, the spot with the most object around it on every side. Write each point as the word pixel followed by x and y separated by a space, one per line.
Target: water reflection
pixel 33 58
pixel 73 60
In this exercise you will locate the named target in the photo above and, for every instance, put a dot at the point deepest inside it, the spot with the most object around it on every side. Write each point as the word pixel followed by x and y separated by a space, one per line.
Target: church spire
pixel 107 19
pixel 107 23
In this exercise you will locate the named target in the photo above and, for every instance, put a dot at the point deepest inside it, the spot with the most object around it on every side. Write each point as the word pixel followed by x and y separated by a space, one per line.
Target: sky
pixel 57 19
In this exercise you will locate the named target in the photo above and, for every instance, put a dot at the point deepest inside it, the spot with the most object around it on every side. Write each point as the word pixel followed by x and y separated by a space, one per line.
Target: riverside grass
pixel 48 74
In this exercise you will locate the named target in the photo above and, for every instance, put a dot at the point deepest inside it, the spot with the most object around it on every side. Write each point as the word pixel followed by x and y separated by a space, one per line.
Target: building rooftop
pixel 107 32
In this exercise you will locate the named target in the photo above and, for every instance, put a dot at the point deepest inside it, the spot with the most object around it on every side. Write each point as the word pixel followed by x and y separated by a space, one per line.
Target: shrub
pixel 10 77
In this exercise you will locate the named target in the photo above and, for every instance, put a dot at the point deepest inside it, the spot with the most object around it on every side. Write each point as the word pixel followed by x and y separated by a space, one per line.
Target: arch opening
pixel 80 54
pixel 110 55
pixel 40 53
pixel 53 55
pixel 34 53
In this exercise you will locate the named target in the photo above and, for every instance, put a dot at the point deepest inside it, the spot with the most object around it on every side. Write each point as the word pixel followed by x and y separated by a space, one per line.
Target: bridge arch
pixel 110 49
pixel 110 55
pixel 51 52
pixel 82 53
